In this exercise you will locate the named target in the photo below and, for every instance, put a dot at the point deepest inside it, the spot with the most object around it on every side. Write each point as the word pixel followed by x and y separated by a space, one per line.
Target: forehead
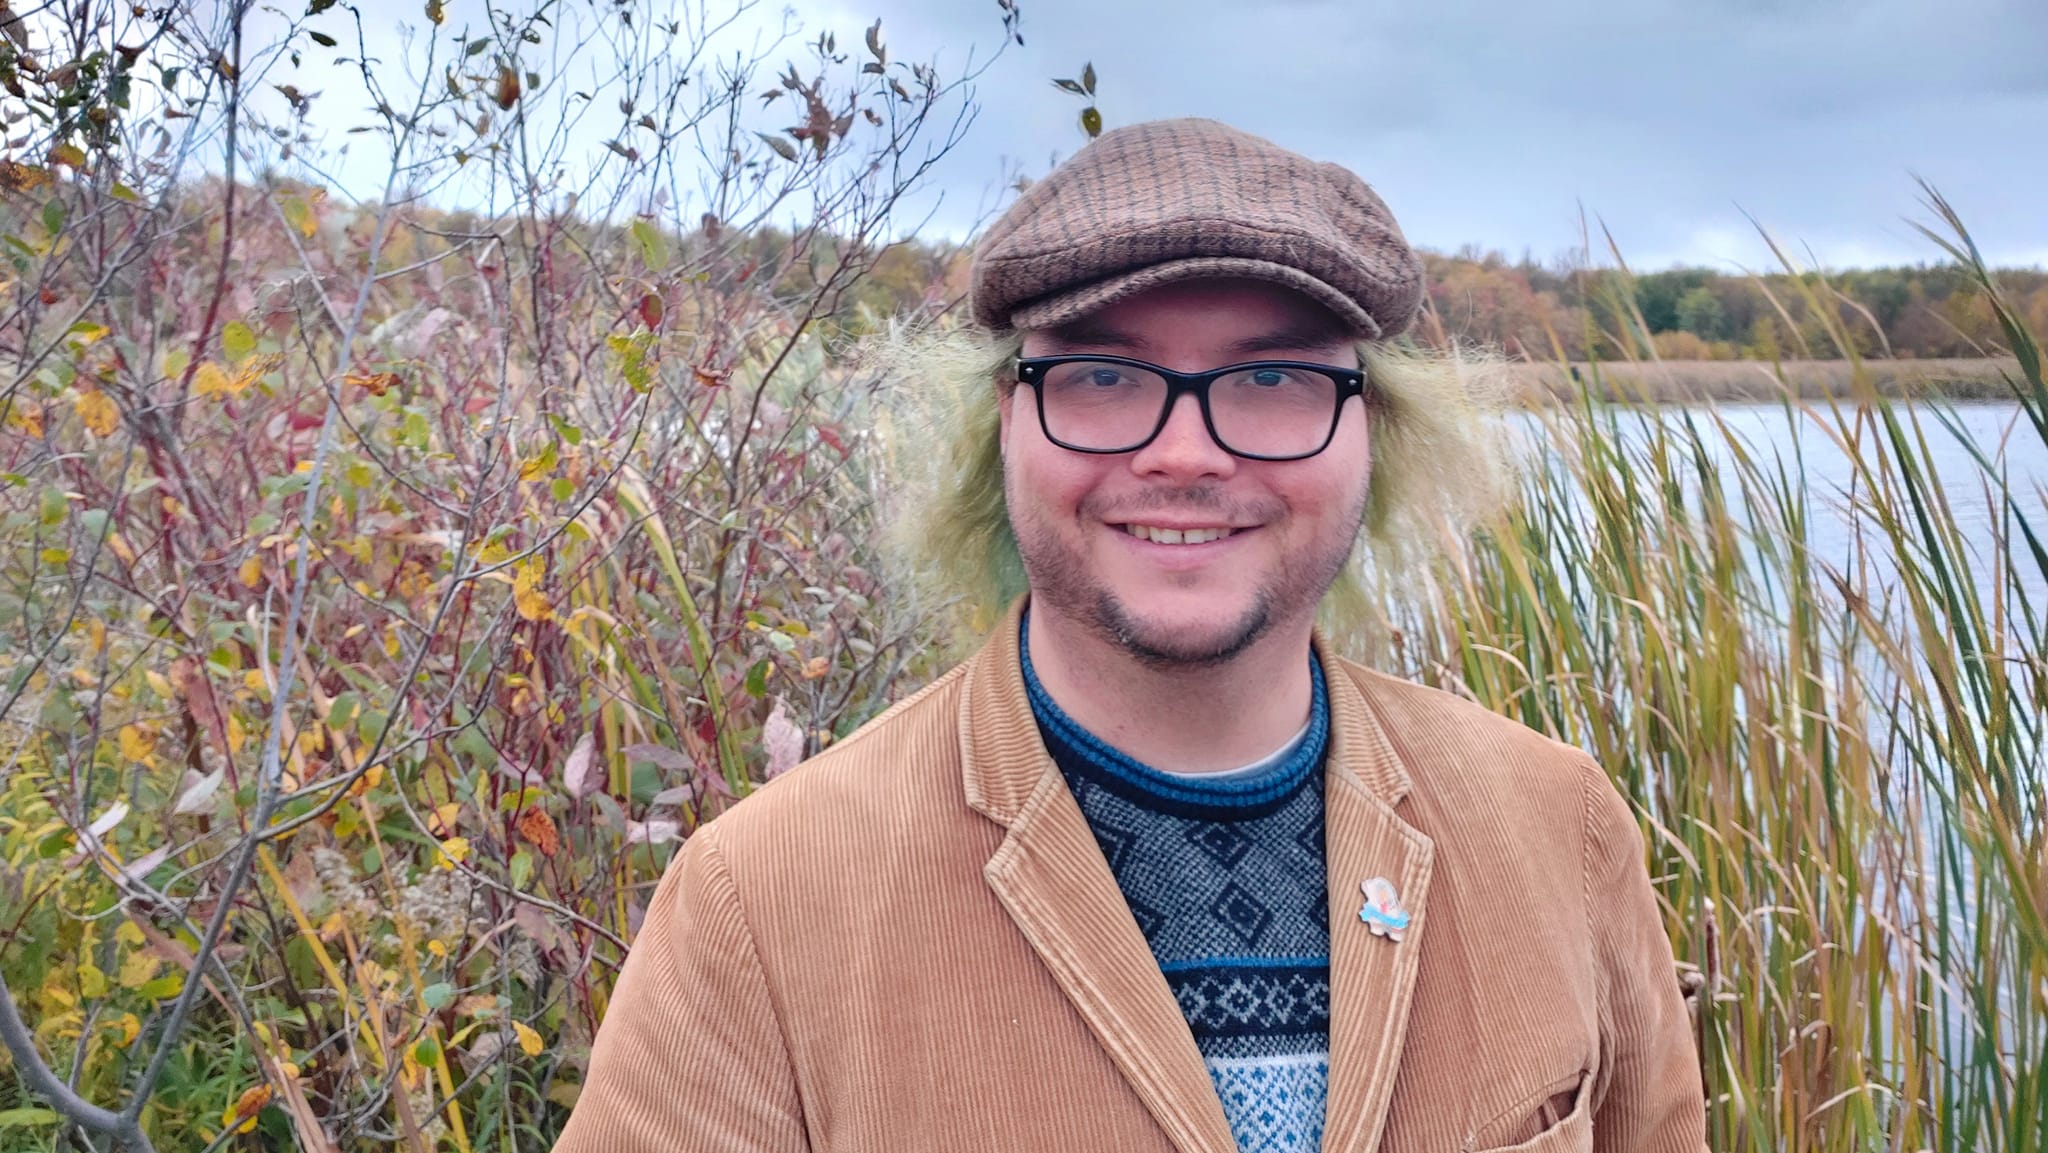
pixel 1204 322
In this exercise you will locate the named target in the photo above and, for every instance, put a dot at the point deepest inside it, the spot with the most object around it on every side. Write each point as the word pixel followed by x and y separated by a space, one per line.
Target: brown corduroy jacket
pixel 912 942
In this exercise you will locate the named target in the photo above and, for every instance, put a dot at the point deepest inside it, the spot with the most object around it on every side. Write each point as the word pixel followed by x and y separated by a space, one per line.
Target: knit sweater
pixel 1225 875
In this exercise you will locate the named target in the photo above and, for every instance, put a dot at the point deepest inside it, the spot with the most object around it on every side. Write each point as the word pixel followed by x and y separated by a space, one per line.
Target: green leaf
pixel 238 341
pixel 427 1052
pixel 1088 78
pixel 563 487
pixel 322 39
pixel 26 1116
pixel 1091 122
pixel 343 710
pixel 163 988
pixel 653 246
pixel 757 679
pixel 53 217
pixel 522 868
pixel 438 994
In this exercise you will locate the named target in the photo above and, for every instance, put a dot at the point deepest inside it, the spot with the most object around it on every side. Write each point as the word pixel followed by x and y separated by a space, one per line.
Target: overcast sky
pixel 1492 122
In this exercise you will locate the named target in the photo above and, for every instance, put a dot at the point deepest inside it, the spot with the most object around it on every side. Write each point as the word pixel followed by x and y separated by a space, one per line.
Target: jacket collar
pixel 1050 876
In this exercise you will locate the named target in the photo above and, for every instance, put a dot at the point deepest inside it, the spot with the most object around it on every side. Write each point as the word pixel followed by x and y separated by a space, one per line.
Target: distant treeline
pixel 1535 311
pixel 1527 309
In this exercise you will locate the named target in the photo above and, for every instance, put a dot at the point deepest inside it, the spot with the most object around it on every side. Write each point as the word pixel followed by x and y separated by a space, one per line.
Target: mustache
pixel 1208 499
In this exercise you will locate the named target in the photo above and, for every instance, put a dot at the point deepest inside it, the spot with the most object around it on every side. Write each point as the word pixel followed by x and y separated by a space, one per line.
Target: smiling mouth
pixel 1178 535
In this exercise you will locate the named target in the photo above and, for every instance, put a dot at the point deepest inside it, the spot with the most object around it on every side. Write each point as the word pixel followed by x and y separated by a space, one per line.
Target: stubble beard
pixel 1061 581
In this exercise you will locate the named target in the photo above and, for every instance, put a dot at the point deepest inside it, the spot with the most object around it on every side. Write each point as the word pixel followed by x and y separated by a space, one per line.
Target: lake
pixel 2001 431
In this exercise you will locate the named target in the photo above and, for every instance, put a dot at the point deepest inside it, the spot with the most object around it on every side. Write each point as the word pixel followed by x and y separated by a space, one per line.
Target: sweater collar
pixel 1004 760
pixel 1079 752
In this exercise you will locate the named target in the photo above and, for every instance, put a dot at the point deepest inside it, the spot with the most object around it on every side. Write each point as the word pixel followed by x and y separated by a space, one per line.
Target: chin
pixel 1166 634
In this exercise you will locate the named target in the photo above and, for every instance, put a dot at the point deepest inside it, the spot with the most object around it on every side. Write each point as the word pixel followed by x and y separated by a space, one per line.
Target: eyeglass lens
pixel 1264 410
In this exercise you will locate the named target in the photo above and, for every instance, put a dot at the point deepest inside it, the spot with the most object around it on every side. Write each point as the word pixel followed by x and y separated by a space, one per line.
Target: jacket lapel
pixel 1050 875
pixel 1372 978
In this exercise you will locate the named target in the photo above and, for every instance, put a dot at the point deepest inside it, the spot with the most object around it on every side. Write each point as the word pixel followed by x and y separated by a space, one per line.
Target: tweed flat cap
pixel 1172 200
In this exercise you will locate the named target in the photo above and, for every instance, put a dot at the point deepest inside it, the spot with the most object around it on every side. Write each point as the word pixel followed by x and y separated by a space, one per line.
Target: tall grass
pixel 1836 753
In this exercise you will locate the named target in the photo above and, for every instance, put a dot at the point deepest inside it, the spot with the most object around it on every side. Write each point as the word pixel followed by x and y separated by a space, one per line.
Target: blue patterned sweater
pixel 1225 875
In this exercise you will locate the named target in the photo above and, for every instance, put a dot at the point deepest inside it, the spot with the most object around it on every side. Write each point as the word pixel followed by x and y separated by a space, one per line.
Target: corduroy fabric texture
pixel 913 942
pixel 1225 876
pixel 1173 200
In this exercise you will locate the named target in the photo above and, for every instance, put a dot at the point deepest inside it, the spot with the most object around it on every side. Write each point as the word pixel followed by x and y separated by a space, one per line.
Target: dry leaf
pixel 198 794
pixel 378 383
pixel 582 774
pixel 536 826
pixel 783 740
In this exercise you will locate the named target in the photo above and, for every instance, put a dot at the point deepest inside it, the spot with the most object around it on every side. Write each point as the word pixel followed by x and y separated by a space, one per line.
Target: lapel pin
pixel 1383 913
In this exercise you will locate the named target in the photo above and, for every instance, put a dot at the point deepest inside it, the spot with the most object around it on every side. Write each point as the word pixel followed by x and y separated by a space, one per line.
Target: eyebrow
pixel 1088 332
pixel 1313 335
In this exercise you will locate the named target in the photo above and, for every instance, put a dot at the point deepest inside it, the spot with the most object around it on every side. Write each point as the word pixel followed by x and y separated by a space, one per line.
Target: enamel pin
pixel 1383 913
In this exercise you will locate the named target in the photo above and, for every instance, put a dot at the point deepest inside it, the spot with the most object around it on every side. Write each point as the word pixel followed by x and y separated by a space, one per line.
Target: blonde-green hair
pixel 1439 467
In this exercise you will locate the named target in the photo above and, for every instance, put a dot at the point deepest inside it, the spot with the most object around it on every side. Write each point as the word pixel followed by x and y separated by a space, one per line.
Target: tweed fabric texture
pixel 913 942
pixel 1172 200
pixel 1225 876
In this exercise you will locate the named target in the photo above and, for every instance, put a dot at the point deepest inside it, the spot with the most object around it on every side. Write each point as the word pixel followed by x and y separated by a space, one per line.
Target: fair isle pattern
pixel 1227 879
pixel 1275 1104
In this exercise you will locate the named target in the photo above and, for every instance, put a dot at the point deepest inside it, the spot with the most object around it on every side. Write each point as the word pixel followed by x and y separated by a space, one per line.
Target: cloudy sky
pixel 1495 122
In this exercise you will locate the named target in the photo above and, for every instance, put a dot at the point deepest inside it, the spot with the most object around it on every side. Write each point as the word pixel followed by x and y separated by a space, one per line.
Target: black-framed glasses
pixel 1260 410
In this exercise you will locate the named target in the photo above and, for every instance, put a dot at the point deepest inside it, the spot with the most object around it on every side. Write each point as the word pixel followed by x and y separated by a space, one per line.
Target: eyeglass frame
pixel 1350 382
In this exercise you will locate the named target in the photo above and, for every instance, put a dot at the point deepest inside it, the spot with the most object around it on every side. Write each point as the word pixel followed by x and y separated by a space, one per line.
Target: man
pixel 1155 871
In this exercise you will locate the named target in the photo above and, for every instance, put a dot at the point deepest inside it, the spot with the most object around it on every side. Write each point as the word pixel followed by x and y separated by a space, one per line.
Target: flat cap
pixel 1171 200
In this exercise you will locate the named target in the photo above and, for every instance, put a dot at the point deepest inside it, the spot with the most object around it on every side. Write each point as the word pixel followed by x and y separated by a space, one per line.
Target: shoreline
pixel 1756 381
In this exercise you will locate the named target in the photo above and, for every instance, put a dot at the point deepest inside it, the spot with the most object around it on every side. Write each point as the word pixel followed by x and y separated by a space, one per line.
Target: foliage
pixel 388 589
pixel 1567 310
pixel 1836 750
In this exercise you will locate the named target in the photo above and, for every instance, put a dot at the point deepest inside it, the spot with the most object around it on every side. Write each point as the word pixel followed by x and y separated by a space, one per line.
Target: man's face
pixel 1291 524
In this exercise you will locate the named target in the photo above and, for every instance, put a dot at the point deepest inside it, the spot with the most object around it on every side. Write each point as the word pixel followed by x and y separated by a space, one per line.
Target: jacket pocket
pixel 1558 1120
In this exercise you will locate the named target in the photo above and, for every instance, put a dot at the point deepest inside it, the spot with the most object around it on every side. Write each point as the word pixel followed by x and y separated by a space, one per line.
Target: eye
pixel 1105 377
pixel 1270 377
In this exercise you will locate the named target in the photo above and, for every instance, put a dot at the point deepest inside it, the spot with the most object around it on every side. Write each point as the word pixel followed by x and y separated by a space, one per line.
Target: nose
pixel 1184 450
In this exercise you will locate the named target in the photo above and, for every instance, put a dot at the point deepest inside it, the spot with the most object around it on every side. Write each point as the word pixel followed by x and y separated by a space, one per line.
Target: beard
pixel 1062 580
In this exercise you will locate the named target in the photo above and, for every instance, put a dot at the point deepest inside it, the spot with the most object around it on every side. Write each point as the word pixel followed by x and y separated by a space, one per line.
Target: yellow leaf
pixel 26 417
pixel 236 734
pixel 139 968
pixel 211 380
pixel 137 742
pixel 68 154
pixel 129 934
pixel 159 685
pixel 130 1027
pixel 529 1041
pixel 242 1114
pixel 251 572
pixel 453 851
pixel 527 597
pixel 98 411
pixel 91 981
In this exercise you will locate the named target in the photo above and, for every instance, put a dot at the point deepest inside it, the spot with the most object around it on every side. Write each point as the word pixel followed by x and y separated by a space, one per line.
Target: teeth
pixel 1176 535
